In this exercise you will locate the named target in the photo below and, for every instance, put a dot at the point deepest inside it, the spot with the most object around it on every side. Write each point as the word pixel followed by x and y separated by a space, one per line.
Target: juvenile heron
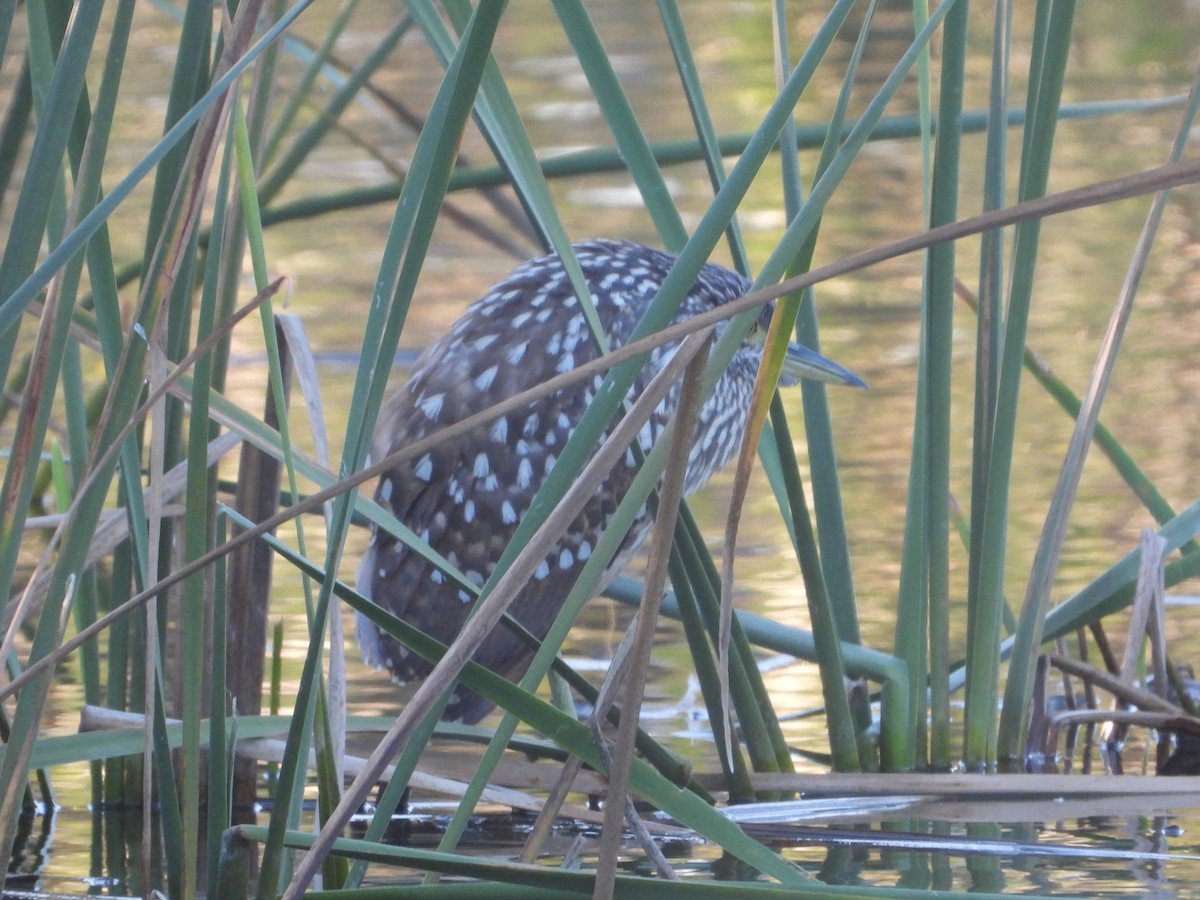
pixel 466 497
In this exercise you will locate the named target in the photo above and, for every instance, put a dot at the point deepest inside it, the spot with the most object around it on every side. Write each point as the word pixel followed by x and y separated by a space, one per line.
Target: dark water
pixel 869 323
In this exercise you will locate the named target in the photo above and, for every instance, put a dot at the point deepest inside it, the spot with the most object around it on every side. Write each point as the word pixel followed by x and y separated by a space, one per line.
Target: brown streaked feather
pixel 467 496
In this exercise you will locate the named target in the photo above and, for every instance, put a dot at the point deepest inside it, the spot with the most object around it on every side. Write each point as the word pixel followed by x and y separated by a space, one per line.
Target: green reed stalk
pixel 1047 69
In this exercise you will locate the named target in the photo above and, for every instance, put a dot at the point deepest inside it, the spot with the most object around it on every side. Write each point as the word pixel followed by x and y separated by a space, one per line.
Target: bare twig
pixel 1149 181
pixel 691 398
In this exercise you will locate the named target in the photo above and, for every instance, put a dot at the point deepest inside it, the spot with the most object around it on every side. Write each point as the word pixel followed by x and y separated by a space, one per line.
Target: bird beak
pixel 801 362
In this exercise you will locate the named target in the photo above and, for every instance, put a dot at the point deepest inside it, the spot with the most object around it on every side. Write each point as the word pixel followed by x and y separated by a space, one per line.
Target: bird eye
pixel 763 322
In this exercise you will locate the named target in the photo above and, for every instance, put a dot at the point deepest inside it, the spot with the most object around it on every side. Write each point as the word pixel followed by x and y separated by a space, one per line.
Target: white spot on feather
pixel 431 406
pixel 484 379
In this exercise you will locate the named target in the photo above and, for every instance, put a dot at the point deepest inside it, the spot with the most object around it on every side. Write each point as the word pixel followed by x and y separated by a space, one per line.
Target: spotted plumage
pixel 467 496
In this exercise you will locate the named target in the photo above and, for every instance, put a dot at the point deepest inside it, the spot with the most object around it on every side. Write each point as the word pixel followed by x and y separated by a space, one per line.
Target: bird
pixel 466 497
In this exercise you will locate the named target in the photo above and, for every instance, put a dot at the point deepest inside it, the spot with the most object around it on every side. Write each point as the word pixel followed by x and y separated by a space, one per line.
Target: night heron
pixel 466 497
